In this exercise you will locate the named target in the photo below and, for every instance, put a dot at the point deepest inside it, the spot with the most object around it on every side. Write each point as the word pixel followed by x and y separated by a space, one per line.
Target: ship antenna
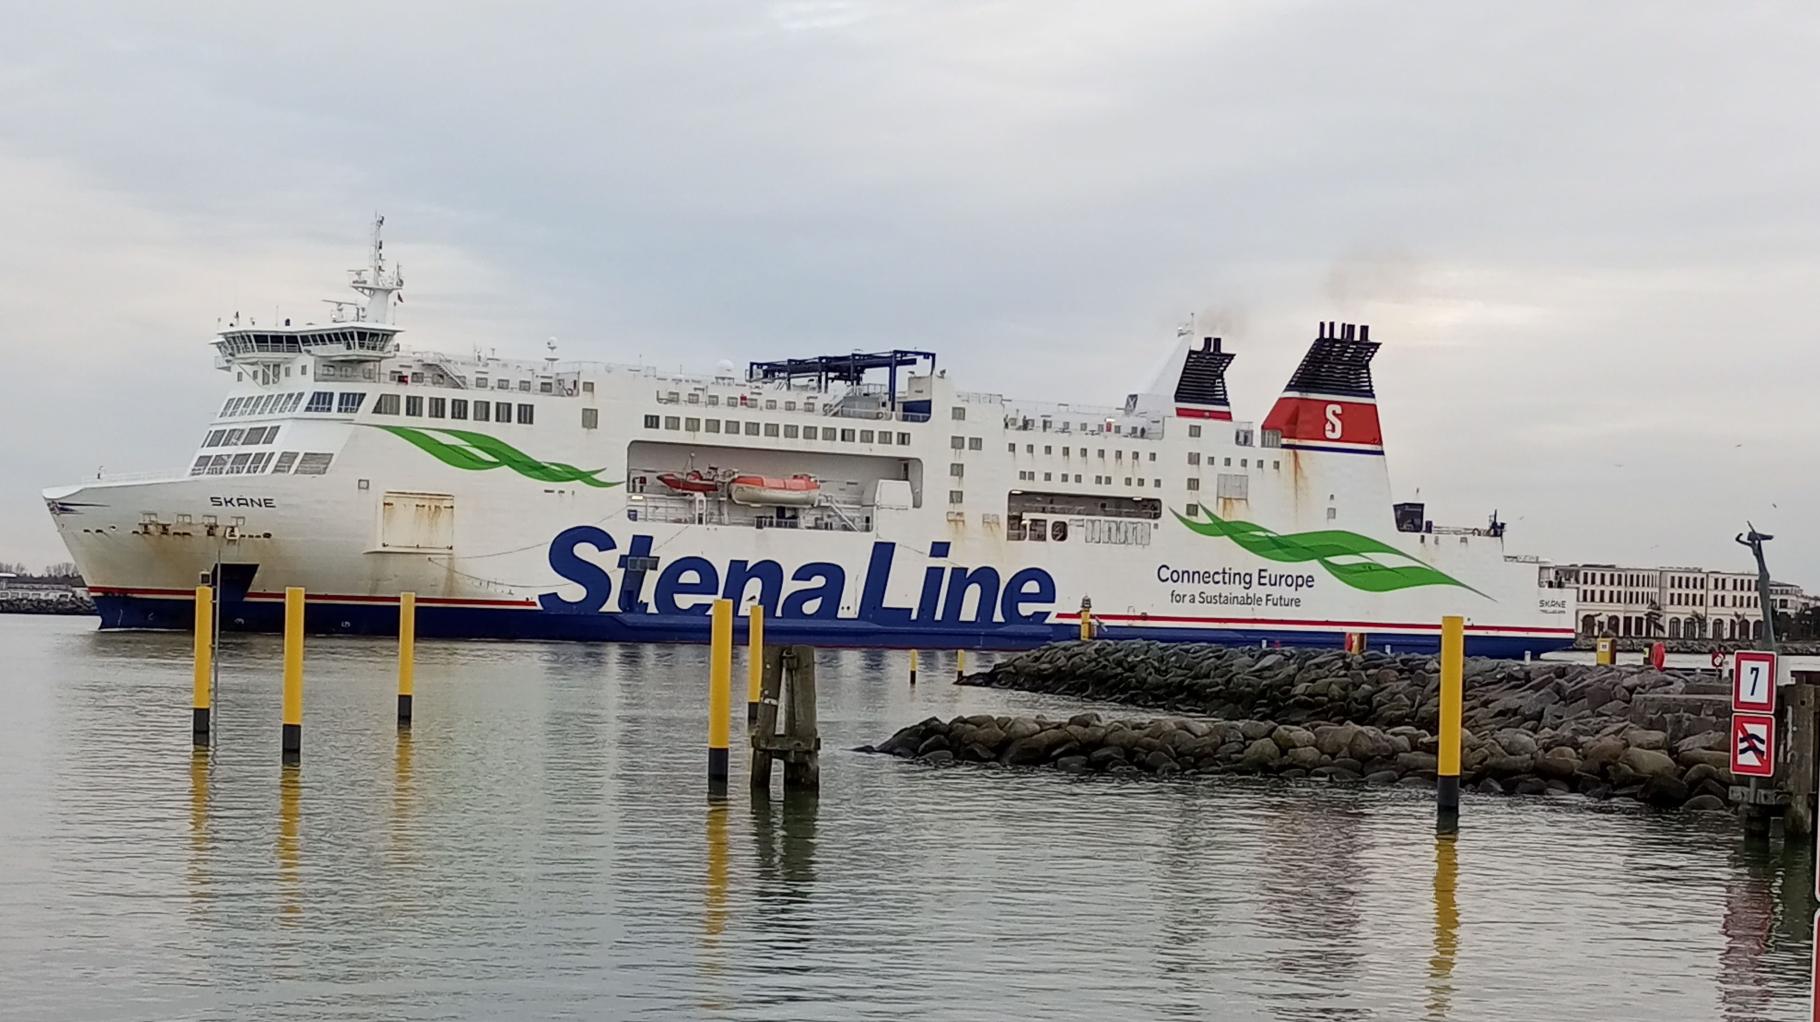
pixel 375 282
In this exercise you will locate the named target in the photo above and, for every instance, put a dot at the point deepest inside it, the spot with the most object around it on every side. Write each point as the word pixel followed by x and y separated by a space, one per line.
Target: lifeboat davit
pixel 692 482
pixel 775 491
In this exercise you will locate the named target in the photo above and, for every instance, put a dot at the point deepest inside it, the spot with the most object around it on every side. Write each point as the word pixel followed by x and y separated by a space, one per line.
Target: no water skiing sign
pixel 1754 682
pixel 1753 745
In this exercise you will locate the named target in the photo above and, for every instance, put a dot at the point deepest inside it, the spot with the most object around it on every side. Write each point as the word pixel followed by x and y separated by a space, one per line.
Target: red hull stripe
pixel 1364 626
pixel 1221 414
pixel 441 601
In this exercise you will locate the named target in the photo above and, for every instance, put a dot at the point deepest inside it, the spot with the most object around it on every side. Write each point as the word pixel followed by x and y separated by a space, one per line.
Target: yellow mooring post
pixel 292 745
pixel 1605 652
pixel 720 696
pixel 1086 619
pixel 1447 750
pixel 960 664
pixel 407 655
pixel 755 662
pixel 913 668
pixel 205 659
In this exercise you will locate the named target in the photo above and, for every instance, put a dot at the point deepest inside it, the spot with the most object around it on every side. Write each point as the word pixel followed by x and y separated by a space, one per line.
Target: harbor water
pixel 539 845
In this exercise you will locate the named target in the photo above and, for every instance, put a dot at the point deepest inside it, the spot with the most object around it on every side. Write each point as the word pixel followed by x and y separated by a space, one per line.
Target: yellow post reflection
pixel 199 822
pixel 1447 927
pixel 401 796
pixel 290 794
pixel 714 910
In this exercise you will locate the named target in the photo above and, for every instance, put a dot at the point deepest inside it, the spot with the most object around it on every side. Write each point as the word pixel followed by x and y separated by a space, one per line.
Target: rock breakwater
pixel 1531 728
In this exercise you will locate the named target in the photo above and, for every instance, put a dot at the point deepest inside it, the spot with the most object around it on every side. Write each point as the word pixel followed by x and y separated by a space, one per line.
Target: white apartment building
pixel 1669 603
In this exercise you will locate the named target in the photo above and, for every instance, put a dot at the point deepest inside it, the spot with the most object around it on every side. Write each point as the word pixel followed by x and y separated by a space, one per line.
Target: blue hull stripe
pixel 495 623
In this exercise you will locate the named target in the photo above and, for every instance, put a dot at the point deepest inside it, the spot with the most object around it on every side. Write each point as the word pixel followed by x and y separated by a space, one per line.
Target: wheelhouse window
pixel 386 405
pixel 233 438
pixel 321 401
pixel 313 464
pixel 214 438
pixel 348 402
pixel 201 464
pixel 284 462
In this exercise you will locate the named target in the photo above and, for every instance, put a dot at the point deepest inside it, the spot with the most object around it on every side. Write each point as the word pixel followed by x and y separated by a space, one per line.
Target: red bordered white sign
pixel 1754 682
pixel 1753 745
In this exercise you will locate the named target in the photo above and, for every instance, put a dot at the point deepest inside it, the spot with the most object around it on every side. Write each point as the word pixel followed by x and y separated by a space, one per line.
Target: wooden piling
pixel 407 655
pixel 201 700
pixel 755 662
pixel 789 682
pixel 292 743
pixel 1447 751
pixel 720 695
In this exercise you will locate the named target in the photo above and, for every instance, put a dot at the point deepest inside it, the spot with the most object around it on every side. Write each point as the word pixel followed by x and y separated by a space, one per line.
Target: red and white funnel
pixel 1329 404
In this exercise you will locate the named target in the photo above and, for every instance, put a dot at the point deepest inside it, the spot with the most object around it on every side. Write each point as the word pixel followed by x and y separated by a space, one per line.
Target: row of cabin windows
pixel 1242 437
pixel 348 402
pixel 1194 458
pixel 262 404
pixel 1029 476
pixel 1067 451
pixel 966 443
pixel 480 382
pixel 695 397
pixel 254 437
pixel 787 430
pixel 256 462
pixel 415 406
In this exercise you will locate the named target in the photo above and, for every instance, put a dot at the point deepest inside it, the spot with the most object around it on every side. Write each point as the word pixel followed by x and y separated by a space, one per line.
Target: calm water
pixel 541 847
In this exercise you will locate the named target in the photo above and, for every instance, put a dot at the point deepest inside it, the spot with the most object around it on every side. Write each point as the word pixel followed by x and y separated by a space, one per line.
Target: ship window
pixel 257 465
pixel 866 436
pixel 413 405
pixel 218 465
pixel 955 496
pixel 1273 438
pixel 238 465
pixel 1036 530
pixel 502 411
pixel 502 384
pixel 525 386
pixel 713 400
pixel 226 409
pixel 260 405
pixel 1118 455
pixel 1244 462
pixel 483 411
pixel 733 426
pixel 846 436
pixel 1010 448
pixel 458 408
pixel 789 406
pixel 480 380
pixel 524 414
pixel 438 408
pixel 1158 483
pixel 284 462
pixel 975 444
pixel 1276 464
pixel 770 429
pixel 884 437
pixel 672 422
pixel 1058 530
pixel 349 401
pixel 416 377
pixel 959 443
pixel 1127 480
pixel 1194 431
pixel 1228 462
pixel 1153 457
pixel 546 387
pixel 296 399
pixel 1192 510
pixel 1194 457
pixel 587 386
pixel 956 469
pixel 1140 482
pixel 791 432
pixel 959 412
pixel 320 401
pixel 1101 453
pixel 1048 477
pixel 234 437
pixel 1242 437
pixel 751 429
pixel 201 463
pixel 692 424
pixel 386 405
pixel 314 464
pixel 770 405
pixel 712 425
pixel 214 438
pixel 903 439
pixel 1193 483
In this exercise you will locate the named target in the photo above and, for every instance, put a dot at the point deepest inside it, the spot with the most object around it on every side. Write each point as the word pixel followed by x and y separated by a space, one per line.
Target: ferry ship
pixel 862 498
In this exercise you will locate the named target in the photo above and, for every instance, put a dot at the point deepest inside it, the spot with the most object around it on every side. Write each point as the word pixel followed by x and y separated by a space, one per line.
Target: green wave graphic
pixel 478 452
pixel 1323 547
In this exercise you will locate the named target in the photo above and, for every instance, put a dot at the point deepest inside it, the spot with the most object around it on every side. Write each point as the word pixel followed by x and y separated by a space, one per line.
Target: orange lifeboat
pixel 775 491
pixel 691 482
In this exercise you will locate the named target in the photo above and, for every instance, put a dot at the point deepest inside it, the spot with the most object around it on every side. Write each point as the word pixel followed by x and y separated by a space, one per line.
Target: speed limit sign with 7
pixel 1754 682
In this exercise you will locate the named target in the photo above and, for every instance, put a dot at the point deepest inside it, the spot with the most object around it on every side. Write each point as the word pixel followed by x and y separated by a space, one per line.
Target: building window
pixel 502 411
pixel 349 402
pixel 482 410
pixel 438 408
pixel 458 408
pixel 413 405
pixel 590 418
pixel 321 401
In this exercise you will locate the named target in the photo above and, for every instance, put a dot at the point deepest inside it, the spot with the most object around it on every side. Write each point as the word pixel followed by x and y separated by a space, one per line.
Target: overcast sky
pixel 1585 234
